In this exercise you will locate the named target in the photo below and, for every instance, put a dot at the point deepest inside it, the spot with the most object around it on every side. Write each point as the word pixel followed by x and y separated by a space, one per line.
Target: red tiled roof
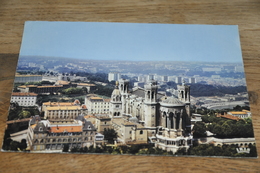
pixel 60 129
pixel 23 94
pixel 50 86
pixel 231 117
pixel 58 104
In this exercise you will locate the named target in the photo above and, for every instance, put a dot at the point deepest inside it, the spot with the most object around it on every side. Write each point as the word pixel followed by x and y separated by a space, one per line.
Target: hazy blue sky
pixel 131 41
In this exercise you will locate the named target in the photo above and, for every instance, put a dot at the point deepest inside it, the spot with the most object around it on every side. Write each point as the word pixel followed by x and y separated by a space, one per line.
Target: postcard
pixel 130 88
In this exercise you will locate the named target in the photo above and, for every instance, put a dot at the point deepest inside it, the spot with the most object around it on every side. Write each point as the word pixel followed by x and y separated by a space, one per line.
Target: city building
pixel 129 131
pixel 139 84
pixel 150 77
pixel 90 87
pixel 97 105
pixel 192 80
pixel 114 76
pixel 63 110
pixel 102 123
pixel 55 134
pixel 211 69
pixel 165 78
pixel 178 80
pixel 165 120
pixel 71 78
pixel 24 99
pixel 240 114
pixel 47 88
pixel 27 78
pixel 142 79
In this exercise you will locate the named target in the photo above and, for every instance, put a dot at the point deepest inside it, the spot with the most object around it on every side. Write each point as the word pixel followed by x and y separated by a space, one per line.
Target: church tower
pixel 116 103
pixel 124 89
pixel 150 102
pixel 184 96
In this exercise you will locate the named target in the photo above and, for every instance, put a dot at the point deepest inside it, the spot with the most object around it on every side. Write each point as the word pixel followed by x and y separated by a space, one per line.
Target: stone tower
pixel 184 96
pixel 150 102
pixel 124 89
pixel 116 103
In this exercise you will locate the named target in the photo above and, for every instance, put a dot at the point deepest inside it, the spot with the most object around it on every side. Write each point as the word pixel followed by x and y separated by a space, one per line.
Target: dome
pixel 133 119
pixel 116 92
pixel 172 101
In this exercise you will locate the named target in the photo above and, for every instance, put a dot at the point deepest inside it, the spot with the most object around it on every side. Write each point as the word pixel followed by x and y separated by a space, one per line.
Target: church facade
pixel 166 120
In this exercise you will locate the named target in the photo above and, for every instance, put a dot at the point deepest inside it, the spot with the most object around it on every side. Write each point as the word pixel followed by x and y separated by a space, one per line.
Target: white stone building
pixel 27 78
pixel 165 120
pixel 97 105
pixel 114 76
pixel 24 99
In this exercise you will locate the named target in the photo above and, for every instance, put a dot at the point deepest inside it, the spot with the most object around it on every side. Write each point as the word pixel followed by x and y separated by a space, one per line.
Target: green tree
pixel 24 114
pixel 110 135
pixel 199 130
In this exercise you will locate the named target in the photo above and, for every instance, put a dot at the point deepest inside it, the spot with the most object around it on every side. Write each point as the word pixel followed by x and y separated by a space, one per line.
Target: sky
pixel 132 41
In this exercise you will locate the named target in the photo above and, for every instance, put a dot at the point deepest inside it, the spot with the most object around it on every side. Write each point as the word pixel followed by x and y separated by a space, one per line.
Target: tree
pixel 23 145
pixel 237 108
pixel 14 145
pixel 199 130
pixel 24 114
pixel 110 135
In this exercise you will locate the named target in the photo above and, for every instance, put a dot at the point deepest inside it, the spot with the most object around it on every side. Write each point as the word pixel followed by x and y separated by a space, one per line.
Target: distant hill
pixel 198 90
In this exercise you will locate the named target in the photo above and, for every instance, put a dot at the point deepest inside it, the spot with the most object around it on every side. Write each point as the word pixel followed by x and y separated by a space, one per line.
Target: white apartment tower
pixel 114 76
pixel 178 80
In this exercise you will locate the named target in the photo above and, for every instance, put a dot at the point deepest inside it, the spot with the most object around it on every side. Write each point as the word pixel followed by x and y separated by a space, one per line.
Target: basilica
pixel 164 120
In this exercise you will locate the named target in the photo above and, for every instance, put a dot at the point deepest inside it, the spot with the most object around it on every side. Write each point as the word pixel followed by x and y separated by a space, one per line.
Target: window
pixel 141 132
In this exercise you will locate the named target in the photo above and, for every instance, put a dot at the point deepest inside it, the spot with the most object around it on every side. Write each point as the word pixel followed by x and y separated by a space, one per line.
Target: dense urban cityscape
pixel 129 107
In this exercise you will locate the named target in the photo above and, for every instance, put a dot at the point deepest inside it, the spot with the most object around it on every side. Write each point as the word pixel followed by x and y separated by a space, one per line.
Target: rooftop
pixel 18 75
pixel 238 113
pixel 58 104
pixel 228 116
pixel 85 84
pixel 23 94
pixel 60 129
pixel 64 108
pixel 50 86
pixel 61 82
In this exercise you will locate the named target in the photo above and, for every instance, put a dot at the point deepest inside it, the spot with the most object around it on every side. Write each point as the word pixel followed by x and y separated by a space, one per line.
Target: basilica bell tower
pixel 124 89
pixel 184 96
pixel 150 102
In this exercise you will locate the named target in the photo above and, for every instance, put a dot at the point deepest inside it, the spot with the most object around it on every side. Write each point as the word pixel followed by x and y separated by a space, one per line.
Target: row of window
pixel 73 111
pixel 40 141
pixel 23 98
pixel 101 106
pixel 24 101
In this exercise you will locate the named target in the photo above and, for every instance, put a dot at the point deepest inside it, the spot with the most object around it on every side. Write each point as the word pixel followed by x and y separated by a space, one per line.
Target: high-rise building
pixel 178 80
pixel 192 80
pixel 165 78
pixel 114 76
pixel 150 77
